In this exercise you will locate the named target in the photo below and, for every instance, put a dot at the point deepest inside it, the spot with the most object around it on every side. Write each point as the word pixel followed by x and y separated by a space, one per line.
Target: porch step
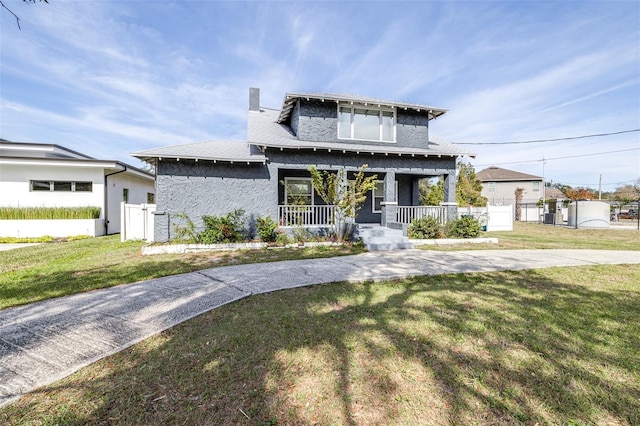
pixel 376 237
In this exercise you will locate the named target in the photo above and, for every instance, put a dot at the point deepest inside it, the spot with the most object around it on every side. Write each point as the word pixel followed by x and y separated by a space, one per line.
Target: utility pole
pixel 600 188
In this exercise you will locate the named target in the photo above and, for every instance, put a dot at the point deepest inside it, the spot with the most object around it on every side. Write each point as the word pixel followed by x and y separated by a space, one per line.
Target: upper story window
pixel 491 186
pixel 536 186
pixel 366 123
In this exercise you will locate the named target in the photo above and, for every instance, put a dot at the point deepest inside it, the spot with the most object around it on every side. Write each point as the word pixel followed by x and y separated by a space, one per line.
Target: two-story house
pixel 268 174
pixel 499 186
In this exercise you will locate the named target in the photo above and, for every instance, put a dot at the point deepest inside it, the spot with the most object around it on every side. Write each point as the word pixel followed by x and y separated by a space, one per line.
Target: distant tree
pixel 431 194
pixel 469 187
pixel 561 186
pixel 518 194
pixel 4 6
pixel 626 194
pixel 580 193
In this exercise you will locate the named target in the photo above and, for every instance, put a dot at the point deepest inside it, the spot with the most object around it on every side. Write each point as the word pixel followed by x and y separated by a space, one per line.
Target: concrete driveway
pixel 45 341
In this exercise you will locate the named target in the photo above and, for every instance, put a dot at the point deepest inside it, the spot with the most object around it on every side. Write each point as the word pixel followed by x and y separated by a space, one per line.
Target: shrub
pixel 187 232
pixel 465 227
pixel 224 229
pixel 267 229
pixel 425 228
pixel 282 239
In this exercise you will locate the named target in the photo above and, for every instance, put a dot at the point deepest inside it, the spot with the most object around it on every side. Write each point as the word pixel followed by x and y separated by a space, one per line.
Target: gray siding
pixel 412 129
pixel 205 188
pixel 317 121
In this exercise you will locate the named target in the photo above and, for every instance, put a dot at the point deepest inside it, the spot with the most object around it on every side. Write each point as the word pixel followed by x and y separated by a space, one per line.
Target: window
pixel 378 196
pixel 61 186
pixel 40 185
pixel 491 186
pixel 83 186
pixel 151 198
pixel 363 123
pixel 298 191
pixel 125 195
pixel 536 186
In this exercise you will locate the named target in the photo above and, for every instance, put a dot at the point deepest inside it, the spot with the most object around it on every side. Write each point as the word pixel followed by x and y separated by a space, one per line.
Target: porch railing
pixel 305 215
pixel 405 214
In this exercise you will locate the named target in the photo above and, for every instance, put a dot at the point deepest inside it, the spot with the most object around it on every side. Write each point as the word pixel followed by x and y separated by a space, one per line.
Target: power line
pixel 549 140
pixel 559 158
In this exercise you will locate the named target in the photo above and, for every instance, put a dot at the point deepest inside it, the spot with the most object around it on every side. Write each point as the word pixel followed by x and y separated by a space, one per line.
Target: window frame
pixel 374 196
pixel 52 184
pixel 352 125
pixel 286 190
pixel 535 186
pixel 491 186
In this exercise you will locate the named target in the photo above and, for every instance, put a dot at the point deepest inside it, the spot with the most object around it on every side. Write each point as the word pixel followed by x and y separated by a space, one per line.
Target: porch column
pixel 389 205
pixel 450 196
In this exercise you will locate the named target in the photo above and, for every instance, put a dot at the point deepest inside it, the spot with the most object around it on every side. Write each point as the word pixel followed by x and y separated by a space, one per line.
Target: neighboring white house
pixel 47 175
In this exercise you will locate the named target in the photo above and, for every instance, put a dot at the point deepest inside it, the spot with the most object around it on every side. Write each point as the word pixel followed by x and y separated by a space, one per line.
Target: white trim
pixel 286 185
pixel 373 197
pixel 353 106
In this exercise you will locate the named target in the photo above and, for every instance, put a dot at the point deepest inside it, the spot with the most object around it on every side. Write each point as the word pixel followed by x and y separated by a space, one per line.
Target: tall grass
pixel 24 213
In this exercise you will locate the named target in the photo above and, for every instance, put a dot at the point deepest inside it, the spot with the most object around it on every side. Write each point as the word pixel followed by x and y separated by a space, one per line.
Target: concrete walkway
pixel 46 341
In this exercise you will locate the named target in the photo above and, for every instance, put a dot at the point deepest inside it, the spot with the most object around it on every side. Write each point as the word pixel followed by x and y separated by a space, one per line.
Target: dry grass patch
pixel 552 346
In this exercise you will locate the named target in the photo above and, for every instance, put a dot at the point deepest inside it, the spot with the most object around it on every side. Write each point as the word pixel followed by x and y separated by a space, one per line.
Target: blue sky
pixel 108 78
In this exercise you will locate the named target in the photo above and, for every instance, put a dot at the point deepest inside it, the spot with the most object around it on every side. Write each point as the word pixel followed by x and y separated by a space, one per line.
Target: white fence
pixel 405 214
pixel 495 218
pixel 137 221
pixel 305 215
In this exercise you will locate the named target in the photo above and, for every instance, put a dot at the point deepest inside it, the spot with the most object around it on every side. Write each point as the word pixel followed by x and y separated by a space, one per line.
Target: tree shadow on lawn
pixel 506 347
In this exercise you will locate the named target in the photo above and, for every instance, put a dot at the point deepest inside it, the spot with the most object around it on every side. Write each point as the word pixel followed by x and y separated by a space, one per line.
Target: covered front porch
pixel 394 200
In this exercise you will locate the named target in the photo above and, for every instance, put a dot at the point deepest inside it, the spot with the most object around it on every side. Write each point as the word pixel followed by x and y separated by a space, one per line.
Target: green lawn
pixel 550 346
pixel 58 269
pixel 538 236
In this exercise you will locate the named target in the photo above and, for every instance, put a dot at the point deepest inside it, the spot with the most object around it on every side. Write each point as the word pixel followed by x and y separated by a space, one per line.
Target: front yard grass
pixel 538 236
pixel 550 346
pixel 57 269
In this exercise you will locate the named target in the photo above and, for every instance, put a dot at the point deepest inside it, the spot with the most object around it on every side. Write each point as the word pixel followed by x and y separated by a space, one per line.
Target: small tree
pixel 518 194
pixel 469 187
pixel 431 194
pixel 580 193
pixel 347 197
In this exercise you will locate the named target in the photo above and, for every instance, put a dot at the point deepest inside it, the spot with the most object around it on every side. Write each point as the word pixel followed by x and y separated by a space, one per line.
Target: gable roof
pixel 291 98
pixel 554 193
pixel 206 150
pixel 497 174
pixel 264 130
